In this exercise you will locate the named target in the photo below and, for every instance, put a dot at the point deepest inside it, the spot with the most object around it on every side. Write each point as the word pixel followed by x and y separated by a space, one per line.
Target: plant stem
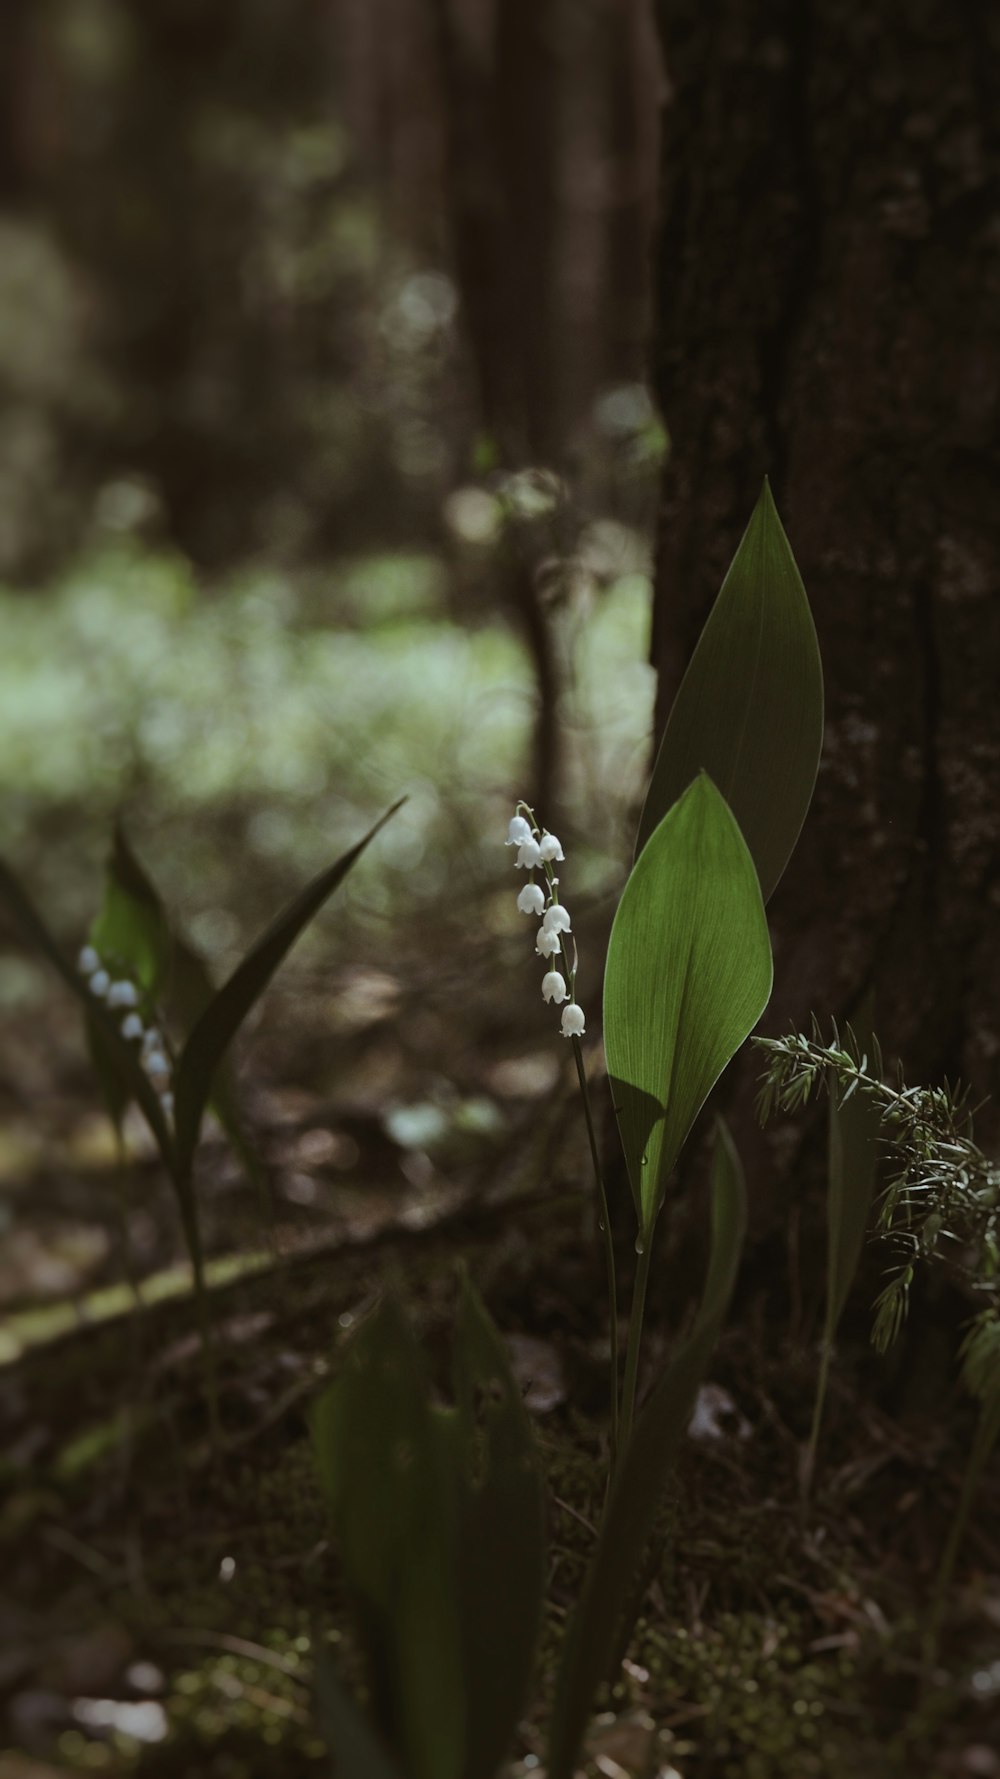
pixel 609 1252
pixel 635 1340
pixel 809 1458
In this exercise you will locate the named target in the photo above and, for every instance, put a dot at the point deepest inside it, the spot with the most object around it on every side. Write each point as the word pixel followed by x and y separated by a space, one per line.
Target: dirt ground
pixel 161 1606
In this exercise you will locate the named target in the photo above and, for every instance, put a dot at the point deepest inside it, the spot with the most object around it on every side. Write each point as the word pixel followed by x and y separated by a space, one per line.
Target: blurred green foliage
pixel 266 733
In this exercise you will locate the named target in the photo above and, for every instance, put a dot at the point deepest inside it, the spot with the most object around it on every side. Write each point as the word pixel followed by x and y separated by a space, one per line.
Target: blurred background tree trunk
pixel 552 118
pixel 827 312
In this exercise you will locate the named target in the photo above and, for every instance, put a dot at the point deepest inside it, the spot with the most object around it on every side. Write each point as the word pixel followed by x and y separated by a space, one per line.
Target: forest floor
pixel 161 1606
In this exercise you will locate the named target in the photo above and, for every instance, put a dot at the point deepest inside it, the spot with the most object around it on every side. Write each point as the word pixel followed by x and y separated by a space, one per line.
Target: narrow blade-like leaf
pixel 226 1012
pixel 636 1495
pixel 132 936
pixel 749 710
pixel 501 1541
pixel 131 930
pixel 688 976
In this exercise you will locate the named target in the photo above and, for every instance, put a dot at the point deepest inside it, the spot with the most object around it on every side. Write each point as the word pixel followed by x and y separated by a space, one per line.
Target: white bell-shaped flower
pixel 157 1068
pixel 518 832
pixel 549 848
pixel 531 900
pixel 100 982
pixel 572 1024
pixel 556 919
pixel 131 1026
pixel 554 987
pixel 123 994
pixel 547 943
pixel 88 961
pixel 153 1040
pixel 528 855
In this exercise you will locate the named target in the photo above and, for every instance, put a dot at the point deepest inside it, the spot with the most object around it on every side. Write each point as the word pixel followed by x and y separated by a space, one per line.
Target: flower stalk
pixel 539 850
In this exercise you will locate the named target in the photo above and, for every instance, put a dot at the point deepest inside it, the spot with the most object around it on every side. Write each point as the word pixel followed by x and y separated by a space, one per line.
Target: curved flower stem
pixel 635 1341
pixel 609 1251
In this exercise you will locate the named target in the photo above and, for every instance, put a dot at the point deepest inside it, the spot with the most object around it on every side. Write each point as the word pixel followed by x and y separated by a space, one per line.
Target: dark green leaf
pixel 688 976
pixel 357 1754
pixel 214 1031
pixel 386 1459
pixel 501 1561
pixel 637 1493
pixel 749 710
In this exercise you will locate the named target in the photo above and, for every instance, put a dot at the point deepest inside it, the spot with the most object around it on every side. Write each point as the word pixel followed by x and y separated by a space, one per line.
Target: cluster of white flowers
pixel 123 997
pixel 538 850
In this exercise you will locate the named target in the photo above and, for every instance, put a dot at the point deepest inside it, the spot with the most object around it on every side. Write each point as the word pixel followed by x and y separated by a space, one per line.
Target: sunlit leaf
pixel 688 976
pixel 637 1493
pixel 501 1559
pixel 749 710
pixel 386 1459
pixel 214 1031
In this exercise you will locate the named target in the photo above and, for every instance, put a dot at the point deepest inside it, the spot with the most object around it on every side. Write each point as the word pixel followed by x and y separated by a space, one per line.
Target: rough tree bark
pixel 828 313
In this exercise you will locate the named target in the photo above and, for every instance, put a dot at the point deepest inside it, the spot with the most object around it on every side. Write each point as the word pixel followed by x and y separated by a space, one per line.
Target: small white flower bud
pixel 550 848
pixel 554 987
pixel 131 1026
pixel 528 855
pixel 547 943
pixel 557 919
pixel 518 832
pixel 572 1024
pixel 123 994
pixel 152 1041
pixel 157 1068
pixel 100 982
pixel 531 900
pixel 88 961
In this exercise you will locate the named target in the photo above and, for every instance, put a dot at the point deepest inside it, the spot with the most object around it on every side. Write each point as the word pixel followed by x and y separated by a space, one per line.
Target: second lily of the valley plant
pixel 134 962
pixel 688 975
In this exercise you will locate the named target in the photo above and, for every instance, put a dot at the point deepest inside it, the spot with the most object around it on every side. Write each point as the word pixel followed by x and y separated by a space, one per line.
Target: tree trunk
pixel 828 312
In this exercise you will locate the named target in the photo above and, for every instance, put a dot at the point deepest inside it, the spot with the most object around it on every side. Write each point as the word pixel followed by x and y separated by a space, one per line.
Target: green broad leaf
pixel 386 1461
pixel 122 1058
pixel 597 1629
pixel 501 1557
pixel 357 1754
pixel 688 976
pixel 749 710
pixel 206 1045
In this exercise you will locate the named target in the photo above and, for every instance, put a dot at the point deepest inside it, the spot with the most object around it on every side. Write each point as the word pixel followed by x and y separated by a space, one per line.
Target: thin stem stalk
pixel 635 1341
pixel 604 1220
